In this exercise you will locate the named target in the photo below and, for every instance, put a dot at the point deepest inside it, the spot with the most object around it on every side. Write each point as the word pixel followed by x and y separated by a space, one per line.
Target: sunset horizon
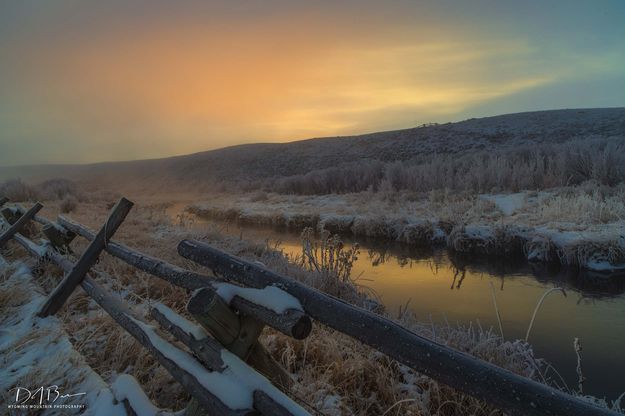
pixel 302 139
pixel 90 82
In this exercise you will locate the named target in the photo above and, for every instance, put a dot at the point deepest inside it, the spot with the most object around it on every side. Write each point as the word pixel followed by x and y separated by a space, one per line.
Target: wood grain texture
pixel 209 351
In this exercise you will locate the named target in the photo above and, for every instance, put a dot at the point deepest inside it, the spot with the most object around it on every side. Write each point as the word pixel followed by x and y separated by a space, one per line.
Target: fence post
pixel 209 351
pixel 291 322
pixel 237 333
pixel 63 291
pixel 9 215
pixel 23 220
pixel 60 239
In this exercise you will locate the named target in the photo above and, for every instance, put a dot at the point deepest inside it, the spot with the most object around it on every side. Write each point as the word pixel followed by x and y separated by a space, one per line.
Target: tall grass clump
pixel 588 203
pixel 328 256
pixel 594 254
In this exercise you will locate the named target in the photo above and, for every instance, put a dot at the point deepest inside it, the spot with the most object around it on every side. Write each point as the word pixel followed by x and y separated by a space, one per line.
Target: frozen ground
pixel 37 353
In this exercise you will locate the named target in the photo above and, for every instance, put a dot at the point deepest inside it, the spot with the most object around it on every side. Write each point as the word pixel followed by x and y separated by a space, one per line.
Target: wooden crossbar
pixel 19 224
pixel 293 323
pixel 72 279
pixel 207 349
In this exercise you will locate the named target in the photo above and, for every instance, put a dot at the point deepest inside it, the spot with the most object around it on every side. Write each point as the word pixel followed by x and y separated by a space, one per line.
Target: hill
pixel 273 160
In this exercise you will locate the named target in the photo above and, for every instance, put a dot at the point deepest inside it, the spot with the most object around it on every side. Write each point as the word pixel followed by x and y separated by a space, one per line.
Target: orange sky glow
pixel 174 84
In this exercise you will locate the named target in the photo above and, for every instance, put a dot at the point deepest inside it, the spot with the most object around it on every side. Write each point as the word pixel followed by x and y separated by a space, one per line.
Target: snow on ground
pixel 36 353
pixel 126 387
pixel 507 203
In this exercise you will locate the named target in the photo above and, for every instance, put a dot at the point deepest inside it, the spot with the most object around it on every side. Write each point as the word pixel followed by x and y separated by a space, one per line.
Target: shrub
pixel 18 191
pixel 525 167
pixel 58 189
pixel 68 204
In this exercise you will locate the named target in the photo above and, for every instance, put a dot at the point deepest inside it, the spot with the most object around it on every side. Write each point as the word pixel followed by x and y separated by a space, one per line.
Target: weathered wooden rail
pixel 234 317
pixel 216 378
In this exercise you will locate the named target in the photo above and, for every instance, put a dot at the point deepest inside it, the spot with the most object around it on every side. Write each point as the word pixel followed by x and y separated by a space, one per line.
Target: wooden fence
pixel 235 315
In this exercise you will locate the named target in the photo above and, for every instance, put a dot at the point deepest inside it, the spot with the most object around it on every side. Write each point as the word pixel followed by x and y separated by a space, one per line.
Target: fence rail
pixel 235 325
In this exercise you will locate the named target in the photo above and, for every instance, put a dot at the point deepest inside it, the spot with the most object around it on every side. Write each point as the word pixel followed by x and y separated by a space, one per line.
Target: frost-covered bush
pixel 18 191
pixel 525 167
pixel 59 189
pixel 328 255
pixel 51 190
pixel 353 177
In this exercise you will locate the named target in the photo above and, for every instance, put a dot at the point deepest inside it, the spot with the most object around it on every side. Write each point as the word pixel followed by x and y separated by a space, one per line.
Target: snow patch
pixel 187 326
pixel 234 385
pixel 271 297
pixel 126 387
pixel 507 203
pixel 38 351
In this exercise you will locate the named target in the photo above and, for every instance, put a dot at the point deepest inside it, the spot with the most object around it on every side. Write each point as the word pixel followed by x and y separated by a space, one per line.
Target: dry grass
pixel 583 205
pixel 51 190
pixel 586 252
pixel 499 240
pixel 335 374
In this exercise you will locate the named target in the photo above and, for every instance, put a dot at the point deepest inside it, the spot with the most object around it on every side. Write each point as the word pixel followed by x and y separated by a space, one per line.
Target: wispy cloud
pixel 182 82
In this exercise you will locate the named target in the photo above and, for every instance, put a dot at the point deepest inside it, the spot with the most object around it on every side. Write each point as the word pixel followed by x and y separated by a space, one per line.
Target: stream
pixel 443 288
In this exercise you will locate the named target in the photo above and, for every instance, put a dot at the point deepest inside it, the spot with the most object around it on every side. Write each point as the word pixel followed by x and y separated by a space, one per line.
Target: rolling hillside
pixel 268 160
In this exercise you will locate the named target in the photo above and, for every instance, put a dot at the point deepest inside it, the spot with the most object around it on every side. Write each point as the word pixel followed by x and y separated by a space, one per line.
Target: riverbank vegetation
pixel 333 373
pixel 582 226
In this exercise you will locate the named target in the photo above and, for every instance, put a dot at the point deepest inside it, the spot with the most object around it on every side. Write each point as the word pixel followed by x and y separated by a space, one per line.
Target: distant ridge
pixel 263 160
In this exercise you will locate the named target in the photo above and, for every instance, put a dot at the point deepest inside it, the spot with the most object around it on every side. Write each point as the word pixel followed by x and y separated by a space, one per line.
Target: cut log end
pixel 292 322
pixel 302 327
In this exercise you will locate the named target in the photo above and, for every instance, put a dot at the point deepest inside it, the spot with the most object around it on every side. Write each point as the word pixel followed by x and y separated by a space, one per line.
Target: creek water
pixel 444 288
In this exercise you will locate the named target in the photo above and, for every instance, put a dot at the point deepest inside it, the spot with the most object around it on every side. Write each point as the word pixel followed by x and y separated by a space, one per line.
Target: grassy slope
pixel 283 159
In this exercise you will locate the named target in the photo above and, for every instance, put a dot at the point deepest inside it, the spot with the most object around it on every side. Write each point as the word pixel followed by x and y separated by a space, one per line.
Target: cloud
pixel 110 85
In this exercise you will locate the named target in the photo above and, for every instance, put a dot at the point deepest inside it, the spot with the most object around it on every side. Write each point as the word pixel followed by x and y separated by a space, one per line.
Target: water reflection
pixel 447 287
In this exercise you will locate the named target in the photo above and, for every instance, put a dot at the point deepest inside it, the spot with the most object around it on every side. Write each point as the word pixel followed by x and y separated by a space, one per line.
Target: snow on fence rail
pixel 235 316
pixel 218 380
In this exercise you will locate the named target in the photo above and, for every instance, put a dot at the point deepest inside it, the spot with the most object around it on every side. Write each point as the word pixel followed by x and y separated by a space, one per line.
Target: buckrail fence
pixel 228 355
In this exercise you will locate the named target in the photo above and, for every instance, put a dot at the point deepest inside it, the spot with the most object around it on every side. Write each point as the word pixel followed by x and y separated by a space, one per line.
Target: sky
pixel 89 81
